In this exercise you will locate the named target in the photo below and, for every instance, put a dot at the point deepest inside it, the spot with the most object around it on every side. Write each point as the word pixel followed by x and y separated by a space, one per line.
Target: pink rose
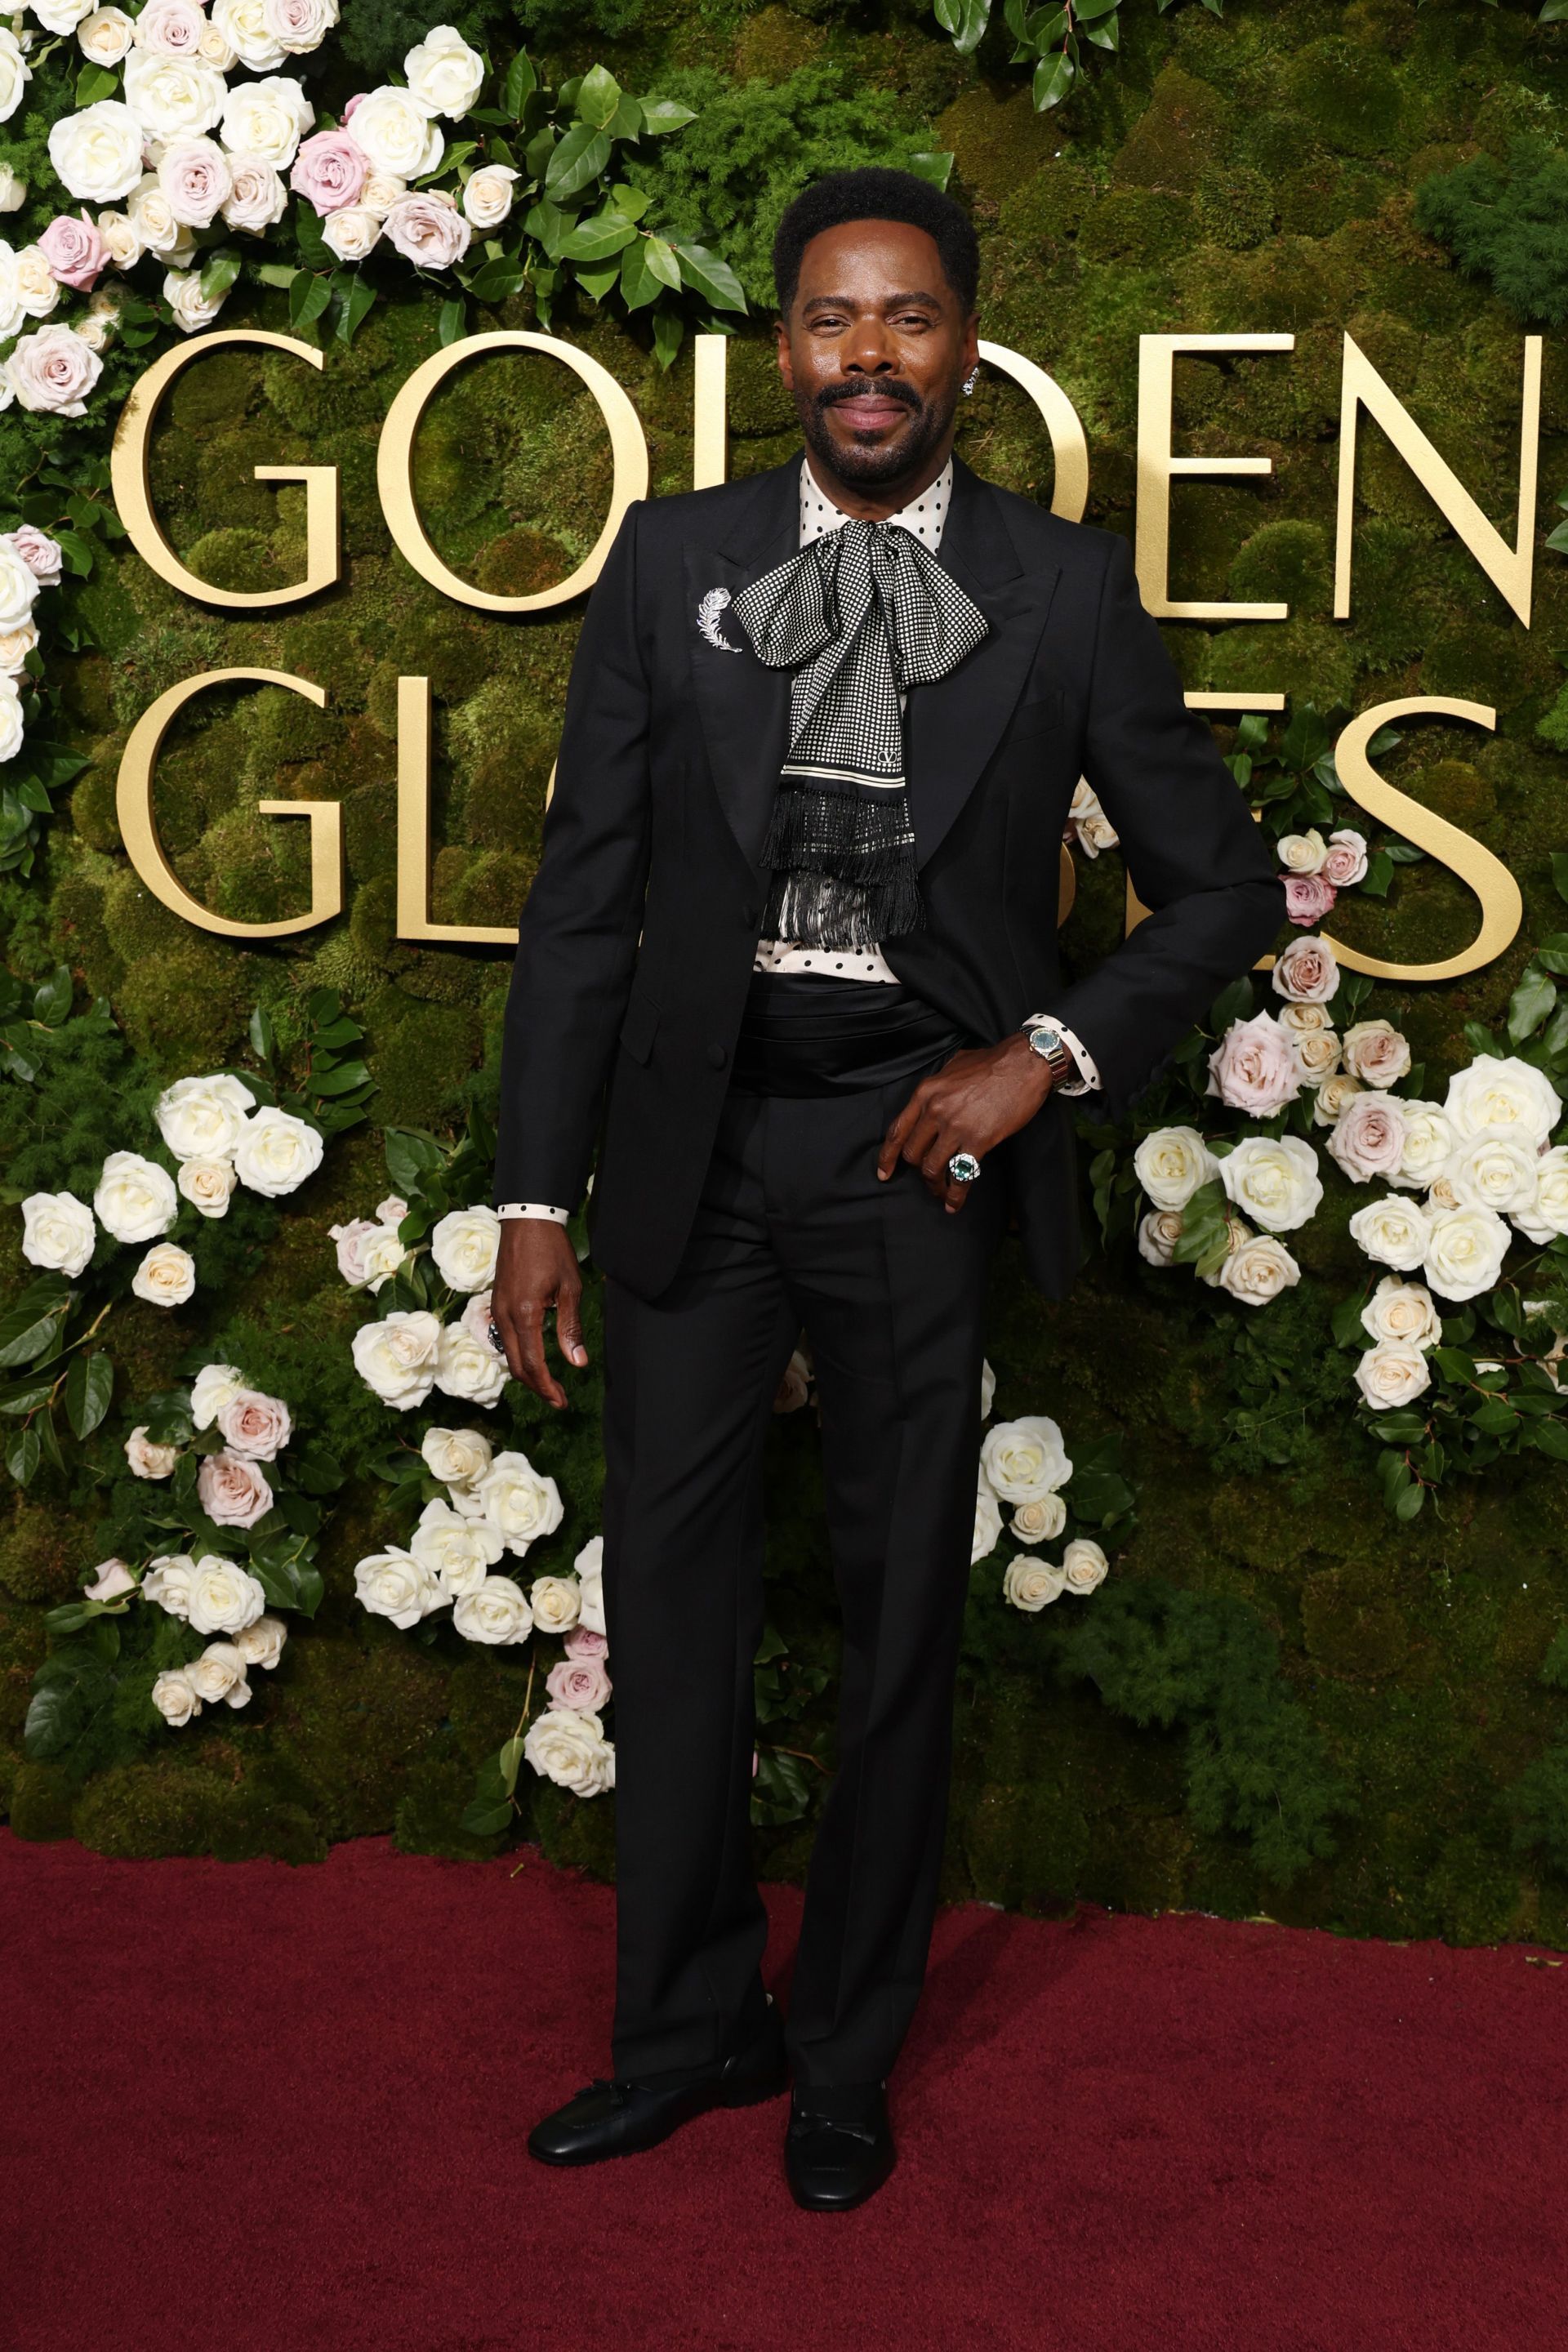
pixel 112 1579
pixel 329 171
pixel 350 1240
pixel 233 1491
pixel 1254 1067
pixel 392 1210
pixel 1306 972
pixel 1346 864
pixel 581 1643
pixel 1368 1136
pixel 427 229
pixel 74 251
pixel 358 99
pixel 172 29
pixel 254 1426
pixel 39 553
pixel 1308 898
pixel 580 1684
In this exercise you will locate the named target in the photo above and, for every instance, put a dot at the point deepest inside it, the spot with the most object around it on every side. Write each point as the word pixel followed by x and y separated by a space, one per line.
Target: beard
pixel 867 460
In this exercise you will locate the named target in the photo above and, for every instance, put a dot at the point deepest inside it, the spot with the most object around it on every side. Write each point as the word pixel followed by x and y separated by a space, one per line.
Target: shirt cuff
pixel 1087 1080
pixel 533 1208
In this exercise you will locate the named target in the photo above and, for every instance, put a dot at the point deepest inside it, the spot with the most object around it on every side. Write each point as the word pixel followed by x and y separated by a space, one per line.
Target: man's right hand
pixel 536 1268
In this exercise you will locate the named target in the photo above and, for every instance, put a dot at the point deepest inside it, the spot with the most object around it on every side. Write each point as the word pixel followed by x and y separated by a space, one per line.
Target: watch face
pixel 1046 1042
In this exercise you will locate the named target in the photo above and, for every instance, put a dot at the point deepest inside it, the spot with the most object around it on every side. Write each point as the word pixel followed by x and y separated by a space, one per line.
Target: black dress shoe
pixel 839 2149
pixel 620 2117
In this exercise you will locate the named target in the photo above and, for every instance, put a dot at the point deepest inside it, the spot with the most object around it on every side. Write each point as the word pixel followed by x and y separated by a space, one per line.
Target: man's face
pixel 874 350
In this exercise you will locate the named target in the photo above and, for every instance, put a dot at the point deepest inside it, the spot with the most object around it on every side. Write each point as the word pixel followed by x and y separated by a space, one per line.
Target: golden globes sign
pixel 1508 568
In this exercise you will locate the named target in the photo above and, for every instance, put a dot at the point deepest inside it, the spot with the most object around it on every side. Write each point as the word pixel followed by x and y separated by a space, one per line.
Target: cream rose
pixel 57 1233
pixel 397 1357
pixel 36 279
pixel 1376 1052
pixel 1368 1138
pixel 1392 1373
pixel 147 1460
pixel 1345 863
pixel 456 1550
pixel 166 1275
pixel 1084 1566
pixel 275 1151
pixel 380 193
pixel 1032 1584
pixel 168 1582
pixel 987 1521
pixel 1401 1314
pixel 192 310
pixel 1392 1232
pixel 1333 1094
pixel 1040 1521
pixel 1494 1168
pixel 1317 1054
pixel 569 1748
pixel 493 1611
pixel 223 1598
pixel 255 1424
pixel 1465 1250
pixel 467 1368
pixel 97 153
pixel 11 729
pixel 1500 1090
pixel 1429 1142
pixel 170 97
pixel 395 1585
pixel 487 195
pixel 208 1185
pixel 265 119
pixel 242 25
pixel 556 1603
pixel 1548 1212
pixel 591 1585
pixel 175 1697
pixel 211 1390
pixel 152 217
pixel 15 73
pixel 257 198
pixel 396 133
pixel 219 1672
pixel 1024 1459
pixel 795 1384
pixel 1305 970
pixel 1254 1067
pixel 105 34
pixel 202 1118
pixel 464 1245
pixel 233 1491
pixel 1303 853
pixel 1274 1180
pixel 1158 1234
pixel 261 1644
pixel 300 26
pixel 1171 1164
pixel 1258 1270
pixel 427 228
pixel 53 371
pixel 521 1504
pixel 444 74
pixel 456 1456
pixel 13 189
pixel 135 1198
pixel 353 1242
pixel 111 1580
pixel 19 585
pixel 351 231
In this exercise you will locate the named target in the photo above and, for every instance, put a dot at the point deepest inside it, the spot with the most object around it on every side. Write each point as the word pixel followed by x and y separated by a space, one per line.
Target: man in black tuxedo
pixel 793 940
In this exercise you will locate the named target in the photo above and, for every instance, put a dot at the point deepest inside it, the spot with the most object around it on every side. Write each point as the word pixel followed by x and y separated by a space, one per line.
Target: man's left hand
pixel 971 1104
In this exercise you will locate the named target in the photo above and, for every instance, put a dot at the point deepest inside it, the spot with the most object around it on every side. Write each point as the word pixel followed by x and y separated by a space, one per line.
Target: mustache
pixel 883 388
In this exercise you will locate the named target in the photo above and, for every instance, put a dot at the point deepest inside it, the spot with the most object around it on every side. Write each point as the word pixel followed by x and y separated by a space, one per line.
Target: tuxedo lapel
pixel 743 704
pixel 953 725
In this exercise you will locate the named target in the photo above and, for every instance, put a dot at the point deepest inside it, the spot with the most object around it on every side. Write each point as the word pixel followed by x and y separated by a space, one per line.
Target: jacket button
pixel 717 1056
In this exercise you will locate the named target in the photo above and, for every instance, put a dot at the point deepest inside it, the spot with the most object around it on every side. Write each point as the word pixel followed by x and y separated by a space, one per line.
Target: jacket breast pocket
pixel 641 1022
pixel 1043 707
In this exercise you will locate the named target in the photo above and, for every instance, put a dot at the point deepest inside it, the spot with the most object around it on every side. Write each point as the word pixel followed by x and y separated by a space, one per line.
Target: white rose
pixel 265 119
pixel 397 1357
pixel 36 286
pixel 517 1501
pixel 194 310
pixel 261 1644
pixel 1032 1584
pixel 444 74
pixel 494 1612
pixel 456 1550
pixel 380 193
pixel 1303 853
pixel 1171 1164
pixel 1368 1136
pixel 147 1460
pixel 1335 1094
pixel 19 585
pixel 1084 1566
pixel 1465 1250
pixel 393 1584
pixel 13 189
pixel 219 1672
pixel 987 1521
pixel 243 25
pixel 212 1388
pixel 200 1119
pixel 207 1184
pixel 987 1387
pixel 1393 1232
pixel 168 1582
pixel 135 1198
pixel 104 35
pixel 300 26
pixel 224 1598
pixel 11 724
pixel 350 232
pixel 1258 1270
pixel 1548 1212
pixel 166 1275
pixel 590 1587
pixel 151 218
pixel 53 371
pixel 194 175
pixel 1392 1373
pixel 171 96
pixel 556 1603
pixel 569 1747
pixel 380 1254
pixel 96 153
pixel 111 1580
pixel 174 1698
pixel 58 1232
pixel 1495 1168
pixel 464 1246
pixel 215 51
pixel 1158 1234
pixel 1428 1146
pixel 1273 1179
pixel 275 1151
pixel 1402 1313
pixel 1502 1091
pixel 60 16
pixel 15 645
pixel 1041 1521
pixel 1024 1459
pixel 15 73
pixel 1237 1233
pixel 257 198
pixel 487 195
pixel 456 1456
pixel 1317 1052
pixel 465 1368
pixel 1377 1052
pixel 395 133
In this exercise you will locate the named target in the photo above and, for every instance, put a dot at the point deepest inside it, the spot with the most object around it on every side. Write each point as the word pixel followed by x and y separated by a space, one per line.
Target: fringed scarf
pixel 861 615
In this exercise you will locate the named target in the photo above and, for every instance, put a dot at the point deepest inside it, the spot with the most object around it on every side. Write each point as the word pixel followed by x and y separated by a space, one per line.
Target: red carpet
pixel 258 2109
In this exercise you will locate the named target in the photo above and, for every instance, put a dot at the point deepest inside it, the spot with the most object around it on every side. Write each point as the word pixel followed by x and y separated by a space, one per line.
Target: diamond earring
pixel 971 380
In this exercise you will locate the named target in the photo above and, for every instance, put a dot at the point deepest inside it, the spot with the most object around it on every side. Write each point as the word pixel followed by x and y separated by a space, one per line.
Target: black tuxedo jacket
pixel 636 945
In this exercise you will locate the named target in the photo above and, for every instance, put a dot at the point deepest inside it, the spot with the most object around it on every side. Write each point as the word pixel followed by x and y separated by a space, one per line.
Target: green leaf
pixel 453 321
pixel 1409 1502
pixel 55 1714
pixel 1550 1437
pixel 598 237
pixel 411 1156
pixel 932 163
pixel 966 21
pixel 639 285
pixel 278 273
pixel 261 1034
pixel 598 282
pixel 358 301
pixel 52 998
pixel 1379 873
pixel 577 161
pixel 662 115
pixel 94 82
pixel 29 1325
pixel 1053 79
pixel 22 1453
pixel 1348 1328
pixel 219 271
pixel 626 122
pixel 598 95
pixel 521 79
pixel 708 275
pixel 1560 871
pixel 89 1384
pixel 1530 1003
pixel 308 298
pixel 669 327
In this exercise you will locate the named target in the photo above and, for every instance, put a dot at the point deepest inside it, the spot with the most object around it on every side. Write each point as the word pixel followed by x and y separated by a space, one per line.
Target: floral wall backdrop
pixel 1270 1586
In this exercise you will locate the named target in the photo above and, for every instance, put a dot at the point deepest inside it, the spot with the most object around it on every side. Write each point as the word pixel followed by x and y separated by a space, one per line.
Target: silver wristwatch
pixel 1052 1047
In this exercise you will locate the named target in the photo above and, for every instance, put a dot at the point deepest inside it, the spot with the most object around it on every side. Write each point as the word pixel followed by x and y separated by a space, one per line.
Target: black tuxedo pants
pixel 795 1232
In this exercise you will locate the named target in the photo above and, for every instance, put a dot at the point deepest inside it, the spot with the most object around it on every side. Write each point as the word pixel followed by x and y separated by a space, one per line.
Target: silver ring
pixel 964 1167
pixel 496 1342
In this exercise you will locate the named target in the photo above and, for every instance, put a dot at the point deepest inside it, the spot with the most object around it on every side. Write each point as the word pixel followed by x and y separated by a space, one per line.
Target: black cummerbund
pixel 805 1035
